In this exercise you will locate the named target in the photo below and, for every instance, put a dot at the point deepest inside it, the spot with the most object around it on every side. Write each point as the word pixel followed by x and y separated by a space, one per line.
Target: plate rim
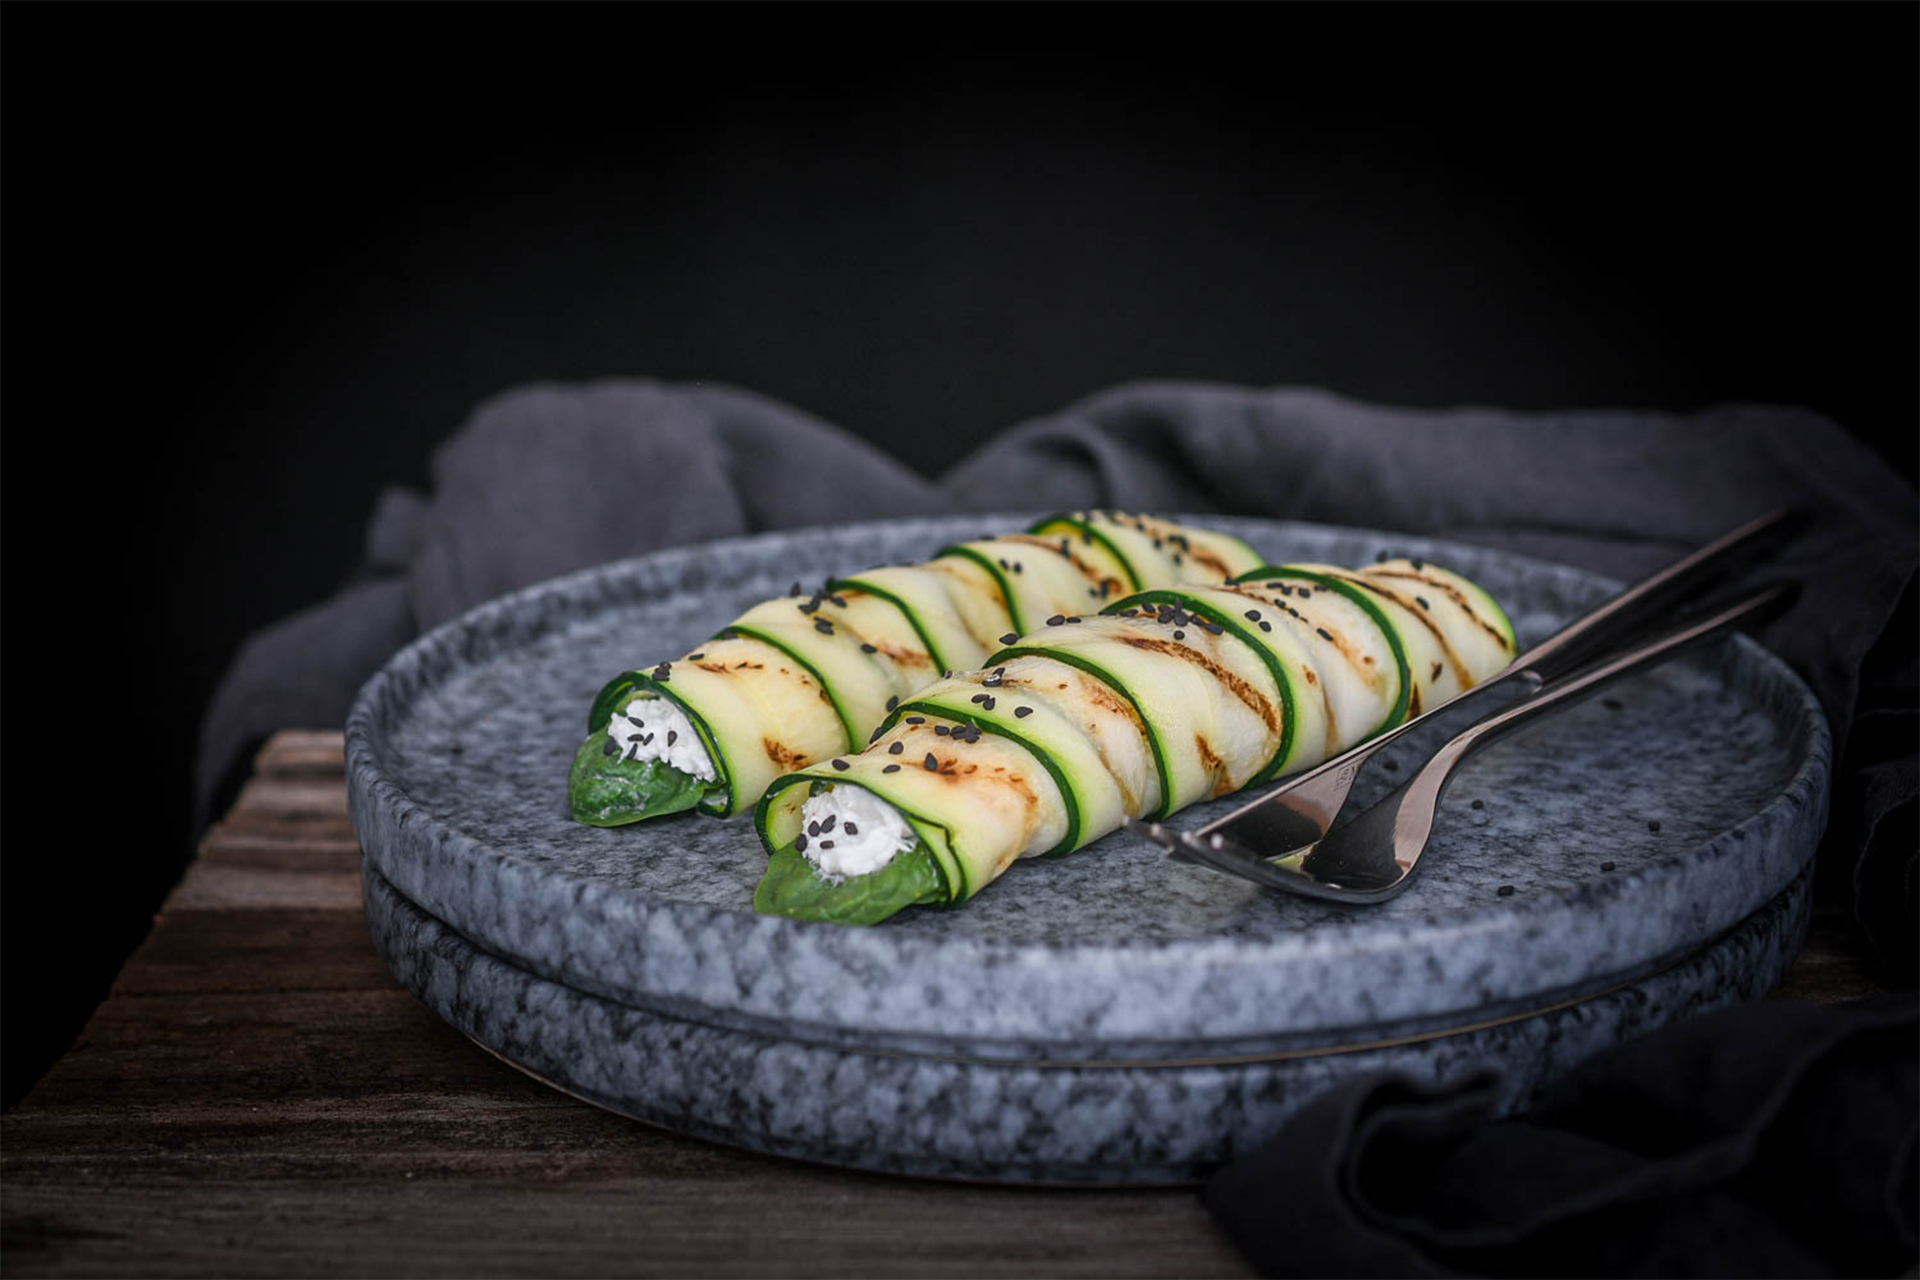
pixel 373 796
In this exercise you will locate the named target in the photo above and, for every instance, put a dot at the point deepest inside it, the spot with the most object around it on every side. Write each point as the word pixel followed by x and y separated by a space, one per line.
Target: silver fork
pixel 1376 855
pixel 1296 818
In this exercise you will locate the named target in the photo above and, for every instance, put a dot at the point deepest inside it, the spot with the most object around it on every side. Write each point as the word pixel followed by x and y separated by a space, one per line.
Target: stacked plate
pixel 1110 1017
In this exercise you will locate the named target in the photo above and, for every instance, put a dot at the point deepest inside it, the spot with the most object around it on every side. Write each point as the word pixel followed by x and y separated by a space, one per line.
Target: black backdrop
pixel 259 261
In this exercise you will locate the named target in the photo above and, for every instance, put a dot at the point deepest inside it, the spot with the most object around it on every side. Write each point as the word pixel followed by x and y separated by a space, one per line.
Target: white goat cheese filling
pixel 656 729
pixel 850 831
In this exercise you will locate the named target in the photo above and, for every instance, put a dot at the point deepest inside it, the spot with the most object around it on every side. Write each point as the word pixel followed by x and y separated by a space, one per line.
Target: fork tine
pixel 1152 831
pixel 1215 852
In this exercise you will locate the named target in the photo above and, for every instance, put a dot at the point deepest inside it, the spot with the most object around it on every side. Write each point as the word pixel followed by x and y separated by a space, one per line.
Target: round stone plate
pixel 1113 1016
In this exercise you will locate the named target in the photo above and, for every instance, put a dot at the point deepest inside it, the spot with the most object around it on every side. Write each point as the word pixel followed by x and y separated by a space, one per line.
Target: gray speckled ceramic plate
pixel 457 758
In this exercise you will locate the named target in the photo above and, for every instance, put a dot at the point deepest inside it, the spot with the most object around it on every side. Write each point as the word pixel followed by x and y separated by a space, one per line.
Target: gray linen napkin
pixel 546 479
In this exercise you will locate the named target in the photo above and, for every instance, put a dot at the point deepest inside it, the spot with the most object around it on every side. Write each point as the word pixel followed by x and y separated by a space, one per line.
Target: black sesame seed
pixel 824 627
pixel 916 719
pixel 1021 713
pixel 1505 891
pixel 1324 633
pixel 1016 566
pixel 637 722
pixel 978 697
pixel 1422 602
pixel 892 703
pixel 800 844
pixel 826 844
pixel 1253 615
pixel 1265 625
pixel 1478 804
pixel 1177 559
pixel 941 730
pixel 892 768
pixel 1381 557
pixel 813 828
pixel 1213 628
pixel 1074 618
pixel 1418 564
pixel 828 824
pixel 636 737
pixel 671 735
pixel 1004 564
pixel 1606 866
pixel 611 749
pixel 1056 620
pixel 1008 638
pixel 1179 635
pixel 841 765
pixel 695 657
pixel 794 590
pixel 811 606
pixel 987 703
pixel 1653 824
pixel 896 748
pixel 848 828
pixel 867 648
pixel 932 765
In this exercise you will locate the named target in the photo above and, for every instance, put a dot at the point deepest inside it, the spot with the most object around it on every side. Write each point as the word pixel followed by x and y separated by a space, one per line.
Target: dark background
pixel 259 262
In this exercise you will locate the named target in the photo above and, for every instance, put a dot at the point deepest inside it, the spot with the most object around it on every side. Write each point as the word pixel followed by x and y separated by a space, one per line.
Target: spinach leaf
pixel 611 791
pixel 795 887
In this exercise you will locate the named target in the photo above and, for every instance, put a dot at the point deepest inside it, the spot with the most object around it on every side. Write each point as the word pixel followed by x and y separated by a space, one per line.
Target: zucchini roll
pixel 1164 698
pixel 812 675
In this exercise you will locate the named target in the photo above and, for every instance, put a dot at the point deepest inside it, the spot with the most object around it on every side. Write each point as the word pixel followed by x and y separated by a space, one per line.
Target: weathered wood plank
pixel 440 1224
pixel 259 1096
pixel 294 753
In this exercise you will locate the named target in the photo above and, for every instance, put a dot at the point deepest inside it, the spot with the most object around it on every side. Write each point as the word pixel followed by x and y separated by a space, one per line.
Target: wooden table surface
pixel 257 1095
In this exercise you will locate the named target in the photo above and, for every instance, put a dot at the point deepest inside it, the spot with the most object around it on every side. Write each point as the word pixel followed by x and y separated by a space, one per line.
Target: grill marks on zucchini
pixel 1169 697
pixel 864 644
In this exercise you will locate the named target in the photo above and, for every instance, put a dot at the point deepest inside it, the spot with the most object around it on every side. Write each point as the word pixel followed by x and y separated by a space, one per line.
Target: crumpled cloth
pixel 543 480
pixel 1771 1139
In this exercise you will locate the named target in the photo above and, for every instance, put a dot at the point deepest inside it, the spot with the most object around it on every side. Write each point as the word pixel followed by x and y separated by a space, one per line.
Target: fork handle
pixel 1627 614
pixel 1562 693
